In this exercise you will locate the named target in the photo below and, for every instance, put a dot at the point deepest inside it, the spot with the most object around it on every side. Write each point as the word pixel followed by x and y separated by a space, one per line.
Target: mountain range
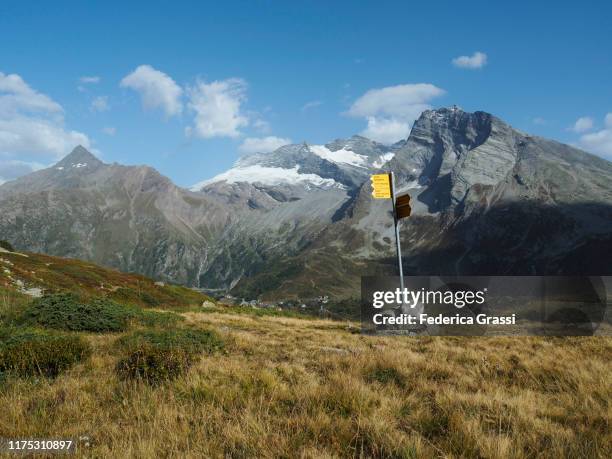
pixel 300 221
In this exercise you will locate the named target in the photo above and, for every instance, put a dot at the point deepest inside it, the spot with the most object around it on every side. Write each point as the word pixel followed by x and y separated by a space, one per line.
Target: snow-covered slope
pixel 269 176
pixel 342 156
pixel 343 163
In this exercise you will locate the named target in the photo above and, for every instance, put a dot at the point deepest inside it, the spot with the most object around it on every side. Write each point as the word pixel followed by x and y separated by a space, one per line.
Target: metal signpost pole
pixel 396 222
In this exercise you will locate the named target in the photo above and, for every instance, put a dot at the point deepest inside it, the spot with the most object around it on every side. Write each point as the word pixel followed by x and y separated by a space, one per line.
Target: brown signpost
pixel 402 206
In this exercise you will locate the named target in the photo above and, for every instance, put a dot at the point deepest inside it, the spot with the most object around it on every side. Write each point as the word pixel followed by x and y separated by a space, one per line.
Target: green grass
pixel 29 352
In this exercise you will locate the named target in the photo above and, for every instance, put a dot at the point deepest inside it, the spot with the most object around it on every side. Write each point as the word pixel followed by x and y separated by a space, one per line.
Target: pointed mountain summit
pixel 79 157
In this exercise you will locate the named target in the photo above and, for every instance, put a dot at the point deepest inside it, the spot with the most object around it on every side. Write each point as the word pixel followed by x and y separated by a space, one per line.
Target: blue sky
pixel 187 87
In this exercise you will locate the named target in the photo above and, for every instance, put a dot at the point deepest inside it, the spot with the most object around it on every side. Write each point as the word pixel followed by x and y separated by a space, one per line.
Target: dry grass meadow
pixel 289 387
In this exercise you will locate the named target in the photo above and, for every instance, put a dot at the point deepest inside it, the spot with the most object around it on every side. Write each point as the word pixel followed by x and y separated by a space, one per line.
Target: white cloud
pixel 38 137
pixel 311 104
pixel 391 111
pixel 262 144
pixel 156 89
pixel 17 97
pixel 90 79
pixel 13 168
pixel 476 61
pixel 109 130
pixel 405 100
pixel 100 104
pixel 599 142
pixel 31 123
pixel 218 110
pixel 582 124
pixel 386 131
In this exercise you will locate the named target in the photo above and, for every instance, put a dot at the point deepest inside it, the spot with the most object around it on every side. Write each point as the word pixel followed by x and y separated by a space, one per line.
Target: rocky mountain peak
pixel 453 120
pixel 450 150
pixel 79 157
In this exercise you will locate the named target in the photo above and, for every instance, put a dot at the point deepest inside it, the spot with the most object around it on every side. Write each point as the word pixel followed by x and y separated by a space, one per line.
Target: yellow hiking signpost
pixel 383 187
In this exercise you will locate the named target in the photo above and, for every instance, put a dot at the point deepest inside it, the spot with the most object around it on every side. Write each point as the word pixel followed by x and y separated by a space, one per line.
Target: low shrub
pixel 66 311
pixel 6 246
pixel 156 356
pixel 153 364
pixel 27 352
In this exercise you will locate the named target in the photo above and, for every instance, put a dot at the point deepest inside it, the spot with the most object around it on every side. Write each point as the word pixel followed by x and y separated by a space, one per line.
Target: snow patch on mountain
pixel 269 176
pixel 342 156
pixel 382 159
pixel 409 186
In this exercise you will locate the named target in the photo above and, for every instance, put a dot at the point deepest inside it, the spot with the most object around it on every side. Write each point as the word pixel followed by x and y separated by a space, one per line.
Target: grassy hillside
pixel 101 365
pixel 283 387
pixel 29 273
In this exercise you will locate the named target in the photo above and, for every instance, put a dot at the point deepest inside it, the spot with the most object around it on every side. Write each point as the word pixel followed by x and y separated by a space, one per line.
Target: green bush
pixel 155 356
pixel 27 352
pixel 66 311
pixel 6 246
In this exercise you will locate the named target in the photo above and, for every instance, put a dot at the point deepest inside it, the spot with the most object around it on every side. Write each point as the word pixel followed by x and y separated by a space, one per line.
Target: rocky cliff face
pixel 300 221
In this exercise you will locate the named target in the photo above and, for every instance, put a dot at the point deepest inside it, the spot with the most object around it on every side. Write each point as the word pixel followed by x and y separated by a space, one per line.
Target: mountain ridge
pixel 281 219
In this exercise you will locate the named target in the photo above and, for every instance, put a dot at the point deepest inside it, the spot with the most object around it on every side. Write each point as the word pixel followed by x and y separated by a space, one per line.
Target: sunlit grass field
pixel 290 387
